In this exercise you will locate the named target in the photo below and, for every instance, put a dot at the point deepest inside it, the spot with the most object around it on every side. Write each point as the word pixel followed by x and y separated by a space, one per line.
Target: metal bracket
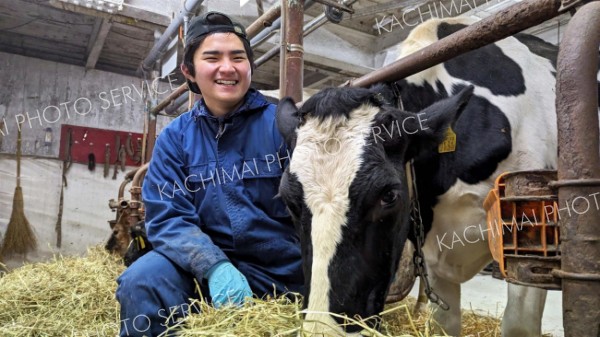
pixel 534 271
pixel 292 47
pixel 574 182
pixel 333 14
pixel 559 273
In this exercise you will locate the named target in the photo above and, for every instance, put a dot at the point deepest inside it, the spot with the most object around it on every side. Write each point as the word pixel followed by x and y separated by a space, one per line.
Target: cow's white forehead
pixel 326 159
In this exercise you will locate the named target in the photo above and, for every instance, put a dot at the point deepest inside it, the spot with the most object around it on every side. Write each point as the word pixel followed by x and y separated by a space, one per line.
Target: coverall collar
pixel 252 100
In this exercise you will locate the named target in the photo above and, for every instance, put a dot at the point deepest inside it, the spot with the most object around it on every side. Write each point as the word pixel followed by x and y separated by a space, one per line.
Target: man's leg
pixel 150 291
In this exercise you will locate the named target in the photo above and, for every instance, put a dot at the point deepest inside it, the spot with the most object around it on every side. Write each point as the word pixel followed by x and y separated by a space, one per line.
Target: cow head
pixel 347 192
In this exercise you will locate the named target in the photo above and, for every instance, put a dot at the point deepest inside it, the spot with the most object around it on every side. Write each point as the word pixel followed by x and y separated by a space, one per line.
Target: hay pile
pixel 65 297
pixel 75 297
pixel 280 317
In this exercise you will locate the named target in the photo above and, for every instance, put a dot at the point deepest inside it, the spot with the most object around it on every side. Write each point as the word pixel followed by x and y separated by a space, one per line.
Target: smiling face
pixel 222 71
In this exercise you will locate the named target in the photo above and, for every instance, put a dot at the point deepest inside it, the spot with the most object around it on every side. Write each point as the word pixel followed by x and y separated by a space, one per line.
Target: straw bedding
pixel 75 297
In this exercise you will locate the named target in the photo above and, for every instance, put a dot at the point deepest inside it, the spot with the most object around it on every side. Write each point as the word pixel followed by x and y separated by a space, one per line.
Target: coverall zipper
pixel 221 129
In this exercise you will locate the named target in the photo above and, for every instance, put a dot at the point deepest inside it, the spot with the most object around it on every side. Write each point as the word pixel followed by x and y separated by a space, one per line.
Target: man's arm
pixel 172 221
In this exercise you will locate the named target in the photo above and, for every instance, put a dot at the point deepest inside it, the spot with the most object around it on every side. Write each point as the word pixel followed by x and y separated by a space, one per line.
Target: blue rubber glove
pixel 227 285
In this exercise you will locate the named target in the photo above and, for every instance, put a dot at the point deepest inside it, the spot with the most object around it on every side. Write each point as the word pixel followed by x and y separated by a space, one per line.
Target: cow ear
pixel 288 120
pixel 433 122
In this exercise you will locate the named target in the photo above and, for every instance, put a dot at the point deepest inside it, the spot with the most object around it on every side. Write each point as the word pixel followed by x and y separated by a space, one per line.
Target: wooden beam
pixel 319 83
pixel 383 7
pixel 21 44
pixel 97 42
pixel 93 35
pixel 131 16
pixel 312 77
pixel 46 29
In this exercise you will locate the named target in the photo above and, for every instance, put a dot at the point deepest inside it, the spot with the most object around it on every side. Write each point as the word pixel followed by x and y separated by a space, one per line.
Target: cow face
pixel 347 192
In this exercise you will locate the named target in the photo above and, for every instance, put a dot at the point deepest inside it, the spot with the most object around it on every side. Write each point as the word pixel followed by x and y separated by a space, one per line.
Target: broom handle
pixel 19 154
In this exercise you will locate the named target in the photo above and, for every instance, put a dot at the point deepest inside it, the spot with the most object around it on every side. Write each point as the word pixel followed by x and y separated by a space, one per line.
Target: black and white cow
pixel 347 190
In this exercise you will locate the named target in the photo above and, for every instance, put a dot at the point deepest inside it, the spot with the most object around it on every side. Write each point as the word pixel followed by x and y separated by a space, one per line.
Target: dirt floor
pixel 486 294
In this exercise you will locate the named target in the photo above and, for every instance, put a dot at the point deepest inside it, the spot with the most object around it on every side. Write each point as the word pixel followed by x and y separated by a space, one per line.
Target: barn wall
pixel 85 212
pixel 33 88
pixel 45 94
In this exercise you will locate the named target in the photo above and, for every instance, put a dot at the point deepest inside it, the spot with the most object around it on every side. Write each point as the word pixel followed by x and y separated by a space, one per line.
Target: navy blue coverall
pixel 210 195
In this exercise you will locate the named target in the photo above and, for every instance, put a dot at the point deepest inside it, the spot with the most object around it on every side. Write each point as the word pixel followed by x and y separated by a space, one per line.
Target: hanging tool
pixel 91 162
pixel 116 169
pixel 129 146
pixel 66 165
pixel 122 157
pixel 106 159
pixel 137 158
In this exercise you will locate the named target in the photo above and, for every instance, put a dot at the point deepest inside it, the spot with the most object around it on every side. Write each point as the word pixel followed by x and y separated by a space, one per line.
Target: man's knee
pixel 137 277
pixel 147 296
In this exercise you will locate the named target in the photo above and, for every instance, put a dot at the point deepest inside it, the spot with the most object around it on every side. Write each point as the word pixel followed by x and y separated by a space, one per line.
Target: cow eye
pixel 389 198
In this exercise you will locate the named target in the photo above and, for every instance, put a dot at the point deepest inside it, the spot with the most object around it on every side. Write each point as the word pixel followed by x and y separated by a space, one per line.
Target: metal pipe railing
pixel 173 96
pixel 263 36
pixel 159 47
pixel 505 23
pixel 307 29
pixel 291 68
pixel 579 172
pixel 265 20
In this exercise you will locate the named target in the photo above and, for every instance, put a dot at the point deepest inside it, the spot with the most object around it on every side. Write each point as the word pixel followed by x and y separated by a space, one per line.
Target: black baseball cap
pixel 208 23
pixel 213 22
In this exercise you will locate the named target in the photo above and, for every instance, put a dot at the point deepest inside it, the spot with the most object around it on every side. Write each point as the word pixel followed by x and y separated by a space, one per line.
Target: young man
pixel 210 193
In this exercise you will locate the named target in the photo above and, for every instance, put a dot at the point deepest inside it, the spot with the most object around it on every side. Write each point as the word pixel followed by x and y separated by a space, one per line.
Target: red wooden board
pixel 88 140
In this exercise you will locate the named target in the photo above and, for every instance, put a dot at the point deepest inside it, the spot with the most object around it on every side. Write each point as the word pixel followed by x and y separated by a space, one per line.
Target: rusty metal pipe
pixel 292 51
pixel 267 56
pixel 308 28
pixel 172 97
pixel 263 21
pixel 579 172
pixel 128 177
pixel 496 27
pixel 136 195
pixel 138 176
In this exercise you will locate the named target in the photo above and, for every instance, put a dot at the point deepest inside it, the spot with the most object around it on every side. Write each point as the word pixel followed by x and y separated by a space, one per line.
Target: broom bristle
pixel 19 237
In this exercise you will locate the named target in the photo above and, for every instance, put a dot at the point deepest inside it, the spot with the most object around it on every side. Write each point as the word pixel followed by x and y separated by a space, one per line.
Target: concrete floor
pixel 487 295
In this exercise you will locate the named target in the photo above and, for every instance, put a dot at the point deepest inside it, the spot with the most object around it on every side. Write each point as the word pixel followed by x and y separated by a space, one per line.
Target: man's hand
pixel 227 285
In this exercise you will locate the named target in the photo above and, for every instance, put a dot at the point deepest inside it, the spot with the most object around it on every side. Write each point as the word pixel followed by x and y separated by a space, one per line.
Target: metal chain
pixel 419 232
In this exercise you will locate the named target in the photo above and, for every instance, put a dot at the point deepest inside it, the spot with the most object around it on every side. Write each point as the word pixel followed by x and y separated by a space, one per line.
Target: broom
pixel 19 237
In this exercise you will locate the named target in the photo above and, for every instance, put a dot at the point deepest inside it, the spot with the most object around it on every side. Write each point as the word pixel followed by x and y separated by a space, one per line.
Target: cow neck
pixel 419 234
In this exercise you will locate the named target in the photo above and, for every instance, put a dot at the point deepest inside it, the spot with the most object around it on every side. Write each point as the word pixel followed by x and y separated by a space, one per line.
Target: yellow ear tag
pixel 140 243
pixel 449 143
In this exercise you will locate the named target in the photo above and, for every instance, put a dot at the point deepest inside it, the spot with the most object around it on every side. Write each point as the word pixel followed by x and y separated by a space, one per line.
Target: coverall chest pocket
pixel 200 179
pixel 261 185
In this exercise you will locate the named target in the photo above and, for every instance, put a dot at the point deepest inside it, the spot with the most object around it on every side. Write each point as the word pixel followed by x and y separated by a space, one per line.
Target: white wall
pixel 30 85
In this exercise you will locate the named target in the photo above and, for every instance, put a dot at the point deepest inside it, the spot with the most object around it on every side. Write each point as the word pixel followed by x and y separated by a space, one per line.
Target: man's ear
pixel 288 120
pixel 192 85
pixel 186 72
